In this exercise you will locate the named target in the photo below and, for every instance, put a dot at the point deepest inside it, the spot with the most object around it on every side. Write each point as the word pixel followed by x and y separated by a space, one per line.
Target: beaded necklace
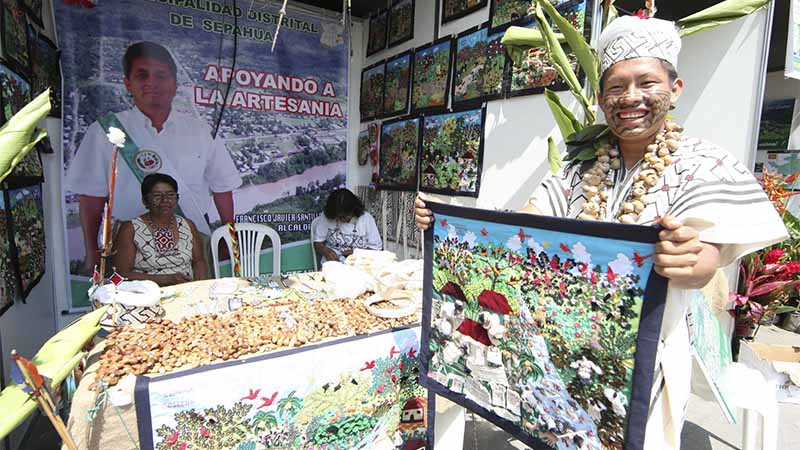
pixel 599 181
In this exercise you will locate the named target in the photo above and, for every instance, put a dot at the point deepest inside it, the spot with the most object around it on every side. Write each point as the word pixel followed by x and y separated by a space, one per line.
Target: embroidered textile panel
pixel 355 393
pixel 546 327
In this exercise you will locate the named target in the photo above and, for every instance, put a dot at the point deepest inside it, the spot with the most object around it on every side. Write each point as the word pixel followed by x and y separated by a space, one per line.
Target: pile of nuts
pixel 163 346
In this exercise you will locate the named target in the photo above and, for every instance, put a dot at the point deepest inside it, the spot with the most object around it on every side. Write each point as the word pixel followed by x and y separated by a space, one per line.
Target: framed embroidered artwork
pixel 378 31
pixel 400 142
pixel 456 9
pixel 451 157
pixel 504 13
pixel 776 124
pixel 45 69
pixel 15 91
pixel 363 147
pixel 15 35
pixel 401 22
pixel 28 171
pixel 429 86
pixel 26 214
pixel 479 67
pixel 372 85
pixel 398 85
pixel 536 72
pixel 354 393
pixel 8 268
pixel 546 327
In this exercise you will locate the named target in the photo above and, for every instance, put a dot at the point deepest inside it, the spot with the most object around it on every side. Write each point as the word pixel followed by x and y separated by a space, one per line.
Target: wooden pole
pixel 105 251
pixel 45 403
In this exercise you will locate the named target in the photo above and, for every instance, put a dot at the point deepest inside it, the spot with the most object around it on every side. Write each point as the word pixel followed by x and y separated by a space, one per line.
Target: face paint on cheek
pixel 657 102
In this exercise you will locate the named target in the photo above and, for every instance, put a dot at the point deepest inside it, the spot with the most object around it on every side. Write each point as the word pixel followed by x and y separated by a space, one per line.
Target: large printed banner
pixel 546 327
pixel 281 136
pixel 357 393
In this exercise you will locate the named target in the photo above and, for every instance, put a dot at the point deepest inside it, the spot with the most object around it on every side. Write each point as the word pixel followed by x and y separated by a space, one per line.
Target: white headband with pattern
pixel 631 37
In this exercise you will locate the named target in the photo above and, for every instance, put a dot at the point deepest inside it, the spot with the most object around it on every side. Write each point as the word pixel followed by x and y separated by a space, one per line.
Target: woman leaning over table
pixel 711 208
pixel 159 245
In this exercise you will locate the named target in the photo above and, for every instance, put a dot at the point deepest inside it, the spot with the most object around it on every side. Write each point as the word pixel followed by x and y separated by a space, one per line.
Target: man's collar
pixel 144 120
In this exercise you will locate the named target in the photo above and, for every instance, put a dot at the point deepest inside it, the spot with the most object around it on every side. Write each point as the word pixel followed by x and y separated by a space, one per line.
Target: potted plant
pixel 769 282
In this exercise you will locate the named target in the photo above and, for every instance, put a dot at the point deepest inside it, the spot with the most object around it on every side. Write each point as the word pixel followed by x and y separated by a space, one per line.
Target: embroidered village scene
pixel 15 90
pixel 8 282
pixel 535 70
pixel 398 75
pixel 398 153
pixel 374 404
pixel 451 152
pixel 431 70
pixel 401 22
pixel 27 217
pixel 538 328
pixel 480 63
pixel 372 92
pixel 378 26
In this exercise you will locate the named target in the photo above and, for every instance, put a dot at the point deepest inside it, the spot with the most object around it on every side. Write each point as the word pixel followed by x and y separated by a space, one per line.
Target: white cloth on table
pixel 201 164
pixel 360 232
pixel 708 189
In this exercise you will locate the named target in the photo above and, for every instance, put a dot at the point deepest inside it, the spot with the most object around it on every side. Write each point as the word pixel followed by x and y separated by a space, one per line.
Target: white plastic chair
pixel 313 249
pixel 251 237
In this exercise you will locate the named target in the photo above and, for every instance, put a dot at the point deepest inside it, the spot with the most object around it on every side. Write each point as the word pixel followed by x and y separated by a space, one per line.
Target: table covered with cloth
pixel 290 367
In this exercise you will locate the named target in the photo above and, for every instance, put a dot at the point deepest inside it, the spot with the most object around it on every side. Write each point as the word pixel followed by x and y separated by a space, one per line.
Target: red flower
pixel 773 256
pixel 792 267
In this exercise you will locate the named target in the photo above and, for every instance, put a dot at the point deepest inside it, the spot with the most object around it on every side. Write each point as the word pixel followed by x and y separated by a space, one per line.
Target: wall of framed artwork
pixel 399 149
pixel 431 76
pixel 372 85
pixel 397 89
pixel 479 67
pixel 456 9
pixel 451 156
pixel 378 32
pixel 401 22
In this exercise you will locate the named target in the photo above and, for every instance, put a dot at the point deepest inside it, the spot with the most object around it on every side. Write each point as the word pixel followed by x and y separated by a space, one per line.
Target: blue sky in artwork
pixel 472 39
pixel 403 61
pixel 372 72
pixel 442 46
pixel 390 127
pixel 470 117
pixel 588 249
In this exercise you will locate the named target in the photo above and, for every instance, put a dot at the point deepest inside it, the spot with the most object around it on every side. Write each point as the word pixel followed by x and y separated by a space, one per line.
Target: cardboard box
pixel 780 365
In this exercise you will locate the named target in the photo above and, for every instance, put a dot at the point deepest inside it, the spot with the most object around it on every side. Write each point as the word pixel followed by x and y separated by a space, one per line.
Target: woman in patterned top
pixel 344 226
pixel 160 246
pixel 710 207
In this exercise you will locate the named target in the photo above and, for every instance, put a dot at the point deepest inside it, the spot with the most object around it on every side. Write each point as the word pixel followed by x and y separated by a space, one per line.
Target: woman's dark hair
pixel 667 66
pixel 155 178
pixel 147 49
pixel 342 202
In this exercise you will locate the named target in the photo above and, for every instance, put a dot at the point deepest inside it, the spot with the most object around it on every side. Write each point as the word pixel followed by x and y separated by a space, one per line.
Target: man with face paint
pixel 711 208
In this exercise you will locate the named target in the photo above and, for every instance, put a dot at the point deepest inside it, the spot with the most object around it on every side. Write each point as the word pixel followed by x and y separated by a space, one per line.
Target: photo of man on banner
pixel 159 140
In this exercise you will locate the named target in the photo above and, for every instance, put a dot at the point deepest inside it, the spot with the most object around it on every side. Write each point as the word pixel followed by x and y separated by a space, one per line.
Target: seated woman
pixel 344 226
pixel 159 245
